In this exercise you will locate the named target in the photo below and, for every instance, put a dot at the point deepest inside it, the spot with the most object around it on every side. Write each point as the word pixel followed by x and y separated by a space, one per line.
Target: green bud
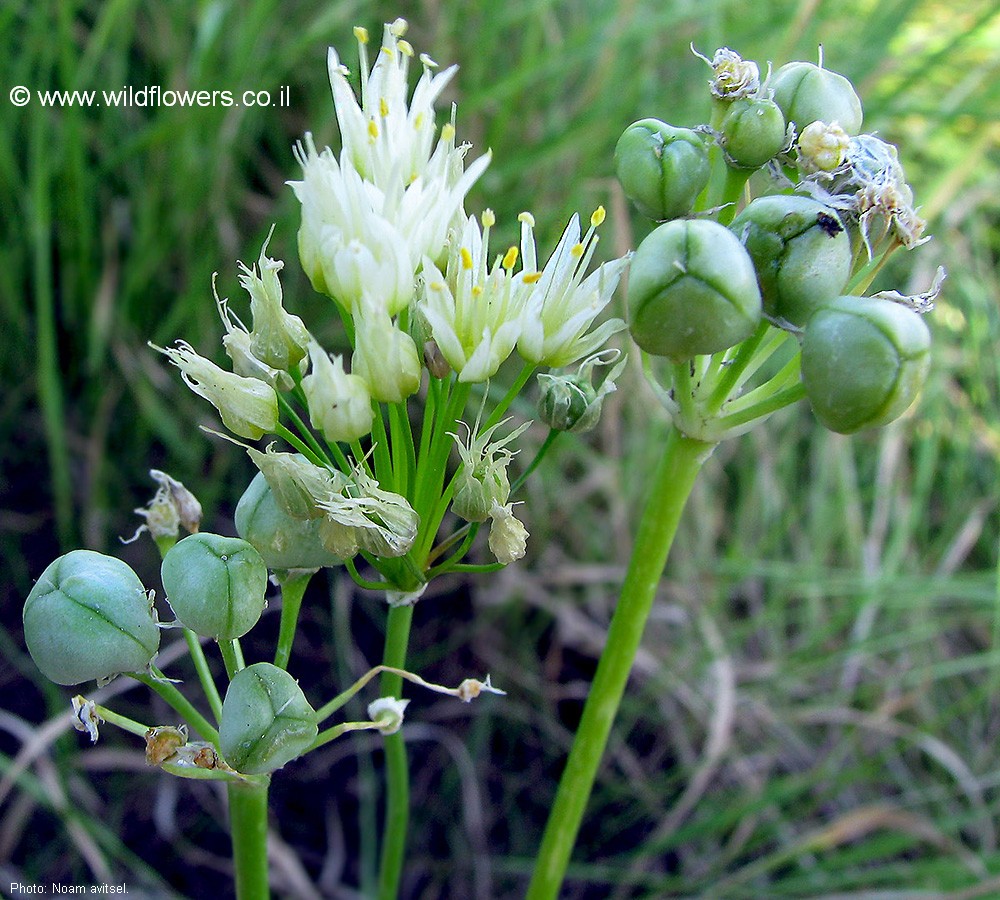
pixel 298 485
pixel 864 360
pixel 215 584
pixel 266 720
pixel 571 402
pixel 822 147
pixel 692 289
pixel 662 169
pixel 800 250
pixel 808 93
pixel 89 617
pixel 753 132
pixel 283 541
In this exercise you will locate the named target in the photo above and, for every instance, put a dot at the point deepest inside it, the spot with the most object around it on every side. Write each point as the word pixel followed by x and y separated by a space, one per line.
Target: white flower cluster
pixel 385 234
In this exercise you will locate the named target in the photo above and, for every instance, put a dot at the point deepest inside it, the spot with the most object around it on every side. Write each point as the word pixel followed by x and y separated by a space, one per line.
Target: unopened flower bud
pixel 283 542
pixel 662 169
pixel 752 132
pixel 808 93
pixel 387 713
pixel 248 406
pixel 864 360
pixel 215 585
pixel 800 250
pixel 692 289
pixel 385 357
pixel 339 404
pixel 822 147
pixel 266 720
pixel 571 402
pixel 89 617
pixel 508 537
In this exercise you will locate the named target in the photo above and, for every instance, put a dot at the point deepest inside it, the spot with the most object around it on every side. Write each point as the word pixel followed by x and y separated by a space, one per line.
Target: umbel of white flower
pixel 370 217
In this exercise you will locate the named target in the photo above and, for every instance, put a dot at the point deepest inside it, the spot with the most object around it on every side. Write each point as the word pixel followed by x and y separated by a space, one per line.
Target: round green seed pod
pixel 89 617
pixel 753 132
pixel 692 289
pixel 283 541
pixel 807 93
pixel 215 585
pixel 662 169
pixel 800 250
pixel 266 720
pixel 864 360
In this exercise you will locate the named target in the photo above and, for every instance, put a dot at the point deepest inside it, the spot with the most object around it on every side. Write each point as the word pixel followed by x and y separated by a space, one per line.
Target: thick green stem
pixel 292 591
pixel 397 774
pixel 674 479
pixel 248 828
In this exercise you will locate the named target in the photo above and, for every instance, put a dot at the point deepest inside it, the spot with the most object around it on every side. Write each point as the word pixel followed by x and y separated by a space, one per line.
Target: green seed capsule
pixel 807 93
pixel 266 720
pixel 692 289
pixel 753 132
pixel 283 541
pixel 89 617
pixel 800 250
pixel 864 360
pixel 662 169
pixel 215 585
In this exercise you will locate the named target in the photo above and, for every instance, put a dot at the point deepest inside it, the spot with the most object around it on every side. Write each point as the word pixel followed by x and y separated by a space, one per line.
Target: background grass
pixel 815 708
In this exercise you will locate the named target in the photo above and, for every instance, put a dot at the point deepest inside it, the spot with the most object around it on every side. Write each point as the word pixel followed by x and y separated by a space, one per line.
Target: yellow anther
pixel 418 122
pixel 577 250
pixel 466 258
pixel 436 285
pixel 388 51
pixel 509 258
pixel 477 290
pixel 532 278
pixel 383 107
pixel 372 129
pixel 447 132
pixel 398 28
pixel 598 216
pixel 489 218
pixel 361 34
pixel 527 218
pixel 427 61
pixel 406 48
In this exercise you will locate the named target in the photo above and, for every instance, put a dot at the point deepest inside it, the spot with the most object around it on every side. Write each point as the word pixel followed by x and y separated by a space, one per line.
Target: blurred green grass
pixel 815 713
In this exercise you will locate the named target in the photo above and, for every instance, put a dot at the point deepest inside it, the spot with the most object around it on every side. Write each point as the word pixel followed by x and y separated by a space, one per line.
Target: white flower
pixel 482 481
pixel 563 304
pixel 387 713
pixel 339 404
pixel 474 312
pixel 237 345
pixel 384 356
pixel 347 247
pixel 248 406
pixel 508 537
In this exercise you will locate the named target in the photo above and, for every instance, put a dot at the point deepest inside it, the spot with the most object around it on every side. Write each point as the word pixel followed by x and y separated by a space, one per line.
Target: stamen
pixel 427 61
pixel 406 48
pixel 598 216
pixel 361 34
pixel 447 132
pixel 532 278
pixel 577 250
pixel 477 290
pixel 510 258
pixel 466 258
pixel 489 218
pixel 383 107
pixel 527 218
pixel 398 28
pixel 372 129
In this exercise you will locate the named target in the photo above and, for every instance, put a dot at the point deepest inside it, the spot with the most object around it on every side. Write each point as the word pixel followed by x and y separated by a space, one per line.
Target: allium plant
pixel 365 459
pixel 748 295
